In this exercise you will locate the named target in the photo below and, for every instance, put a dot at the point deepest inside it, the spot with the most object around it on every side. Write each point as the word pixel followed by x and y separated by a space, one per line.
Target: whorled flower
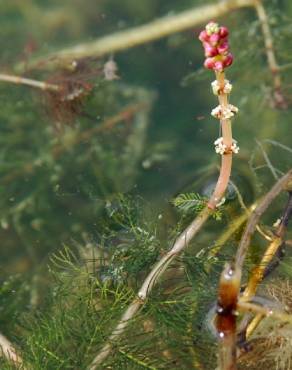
pixel 224 112
pixel 221 148
pixel 217 90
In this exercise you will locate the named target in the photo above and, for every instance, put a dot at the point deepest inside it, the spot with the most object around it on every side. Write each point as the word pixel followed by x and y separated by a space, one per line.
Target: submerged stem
pixel 226 161
pixel 29 82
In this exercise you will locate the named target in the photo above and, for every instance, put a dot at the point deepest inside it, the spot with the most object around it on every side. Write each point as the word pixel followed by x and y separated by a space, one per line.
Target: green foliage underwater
pixel 95 188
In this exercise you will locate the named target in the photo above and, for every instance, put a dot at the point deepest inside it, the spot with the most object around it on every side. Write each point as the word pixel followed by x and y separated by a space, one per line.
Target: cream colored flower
pixel 234 147
pixel 216 88
pixel 221 148
pixel 224 113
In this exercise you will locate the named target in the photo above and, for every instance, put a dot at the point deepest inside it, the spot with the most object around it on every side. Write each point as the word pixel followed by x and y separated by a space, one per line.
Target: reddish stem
pixel 226 162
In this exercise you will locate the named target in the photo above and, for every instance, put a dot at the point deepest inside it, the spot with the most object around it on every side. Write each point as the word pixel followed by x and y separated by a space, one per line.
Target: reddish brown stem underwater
pixel 226 161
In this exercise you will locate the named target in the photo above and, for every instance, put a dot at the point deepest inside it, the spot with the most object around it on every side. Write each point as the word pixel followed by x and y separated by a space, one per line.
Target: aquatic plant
pixel 105 279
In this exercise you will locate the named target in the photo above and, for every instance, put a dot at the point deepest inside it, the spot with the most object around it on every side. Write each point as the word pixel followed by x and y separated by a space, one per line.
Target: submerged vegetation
pixel 114 228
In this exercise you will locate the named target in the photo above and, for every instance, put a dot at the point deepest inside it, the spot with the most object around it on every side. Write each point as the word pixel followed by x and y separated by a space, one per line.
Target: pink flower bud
pixel 215 42
pixel 228 59
pixel 209 63
pixel 223 47
pixel 203 36
pixel 214 39
pixel 210 51
pixel 218 66
pixel 223 32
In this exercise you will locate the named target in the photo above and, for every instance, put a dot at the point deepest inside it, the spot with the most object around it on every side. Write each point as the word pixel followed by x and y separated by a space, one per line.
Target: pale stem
pixel 151 31
pixel 8 351
pixel 270 52
pixel 29 82
pixel 180 244
pixel 268 40
pixel 105 351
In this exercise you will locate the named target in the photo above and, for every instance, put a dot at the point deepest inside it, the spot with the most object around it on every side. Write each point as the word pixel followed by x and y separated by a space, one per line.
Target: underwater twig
pixel 260 209
pixel 29 82
pixel 122 40
pixel 8 351
pixel 279 100
pixel 221 87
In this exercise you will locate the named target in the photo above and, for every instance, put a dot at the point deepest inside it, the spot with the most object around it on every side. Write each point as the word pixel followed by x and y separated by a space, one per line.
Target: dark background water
pixel 46 201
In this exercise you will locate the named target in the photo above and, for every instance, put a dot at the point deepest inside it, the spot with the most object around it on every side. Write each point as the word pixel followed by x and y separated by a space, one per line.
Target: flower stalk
pixel 218 57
